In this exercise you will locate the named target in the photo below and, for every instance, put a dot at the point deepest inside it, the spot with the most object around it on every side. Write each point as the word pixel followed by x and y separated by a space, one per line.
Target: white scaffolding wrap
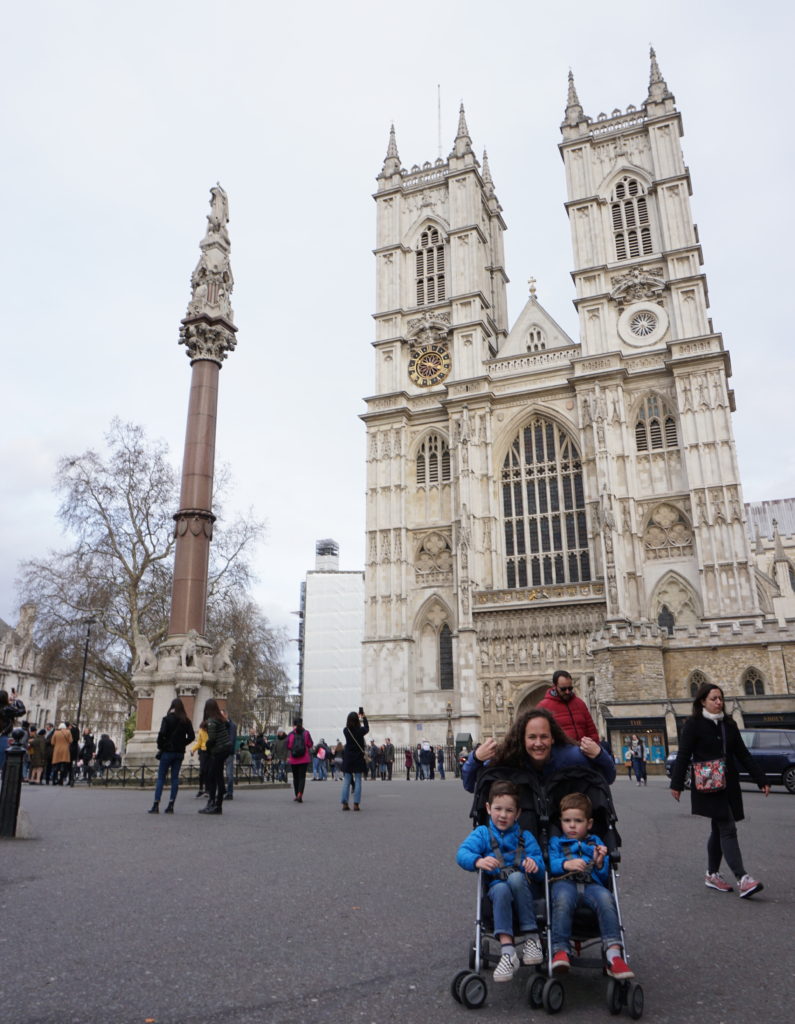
pixel 333 631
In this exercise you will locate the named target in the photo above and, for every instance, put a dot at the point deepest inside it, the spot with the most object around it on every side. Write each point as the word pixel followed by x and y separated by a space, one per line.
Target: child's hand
pixel 530 866
pixel 487 863
pixel 599 857
pixel 575 864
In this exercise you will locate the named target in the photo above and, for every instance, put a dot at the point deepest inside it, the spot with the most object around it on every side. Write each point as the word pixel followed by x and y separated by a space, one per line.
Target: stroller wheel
pixel 473 992
pixel 455 985
pixel 615 996
pixel 553 995
pixel 534 990
pixel 635 1000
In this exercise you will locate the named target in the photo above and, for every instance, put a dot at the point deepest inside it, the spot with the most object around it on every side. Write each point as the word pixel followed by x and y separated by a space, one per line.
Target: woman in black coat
pixel 353 760
pixel 176 732
pixel 708 735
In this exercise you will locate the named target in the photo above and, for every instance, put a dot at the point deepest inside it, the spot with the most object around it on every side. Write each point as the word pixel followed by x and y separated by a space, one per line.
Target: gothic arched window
pixel 433 461
pixel 666 620
pixel 753 683
pixel 429 268
pixel 543 508
pixel 629 209
pixel 655 427
pixel 535 339
pixel 445 658
pixel 697 678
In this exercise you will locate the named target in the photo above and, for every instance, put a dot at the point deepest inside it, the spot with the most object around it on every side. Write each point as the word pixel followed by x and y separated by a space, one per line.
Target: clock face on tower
pixel 429 365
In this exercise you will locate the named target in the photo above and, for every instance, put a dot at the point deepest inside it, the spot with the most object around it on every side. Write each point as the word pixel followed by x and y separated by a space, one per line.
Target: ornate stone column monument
pixel 184 665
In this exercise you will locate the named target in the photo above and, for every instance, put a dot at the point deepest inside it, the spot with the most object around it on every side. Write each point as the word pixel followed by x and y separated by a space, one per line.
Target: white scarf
pixel 711 717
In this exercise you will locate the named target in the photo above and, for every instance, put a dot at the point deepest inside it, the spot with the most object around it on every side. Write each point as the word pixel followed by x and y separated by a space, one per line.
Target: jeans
pixel 566 898
pixel 426 771
pixel 723 842
pixel 229 769
pixel 514 892
pixel 174 762
pixel 351 779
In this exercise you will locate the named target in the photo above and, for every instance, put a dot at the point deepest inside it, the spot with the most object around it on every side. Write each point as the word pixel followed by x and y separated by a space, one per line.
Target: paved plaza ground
pixel 279 912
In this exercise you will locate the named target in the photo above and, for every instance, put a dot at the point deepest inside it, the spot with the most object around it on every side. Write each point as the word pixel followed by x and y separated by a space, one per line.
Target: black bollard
pixel 12 785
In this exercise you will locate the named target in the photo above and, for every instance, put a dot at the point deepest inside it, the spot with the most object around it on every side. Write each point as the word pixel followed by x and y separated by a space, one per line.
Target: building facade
pixel 536 501
pixel 330 644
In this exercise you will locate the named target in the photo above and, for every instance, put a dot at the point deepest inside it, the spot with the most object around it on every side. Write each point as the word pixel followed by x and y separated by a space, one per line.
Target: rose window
pixel 643 324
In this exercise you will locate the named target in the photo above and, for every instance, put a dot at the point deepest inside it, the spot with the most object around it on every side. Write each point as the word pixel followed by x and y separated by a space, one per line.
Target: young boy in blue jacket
pixel 508 855
pixel 579 869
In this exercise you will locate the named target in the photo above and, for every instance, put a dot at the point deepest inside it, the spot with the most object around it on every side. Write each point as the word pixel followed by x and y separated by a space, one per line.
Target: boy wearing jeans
pixel 579 869
pixel 508 855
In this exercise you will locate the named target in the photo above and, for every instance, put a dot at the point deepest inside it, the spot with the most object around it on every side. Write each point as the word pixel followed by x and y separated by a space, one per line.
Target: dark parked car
pixel 773 749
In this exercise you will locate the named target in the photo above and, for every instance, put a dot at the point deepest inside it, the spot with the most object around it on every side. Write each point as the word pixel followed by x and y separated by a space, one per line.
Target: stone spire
pixel 392 158
pixel 208 330
pixel 488 182
pixel 463 143
pixel 574 111
pixel 778 547
pixel 658 88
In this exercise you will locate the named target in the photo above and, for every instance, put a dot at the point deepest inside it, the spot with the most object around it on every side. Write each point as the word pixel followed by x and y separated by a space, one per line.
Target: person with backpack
pixel 219 747
pixel 299 746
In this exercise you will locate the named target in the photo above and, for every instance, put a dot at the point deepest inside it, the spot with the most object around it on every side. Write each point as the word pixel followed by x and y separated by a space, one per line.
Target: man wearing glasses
pixel 570 712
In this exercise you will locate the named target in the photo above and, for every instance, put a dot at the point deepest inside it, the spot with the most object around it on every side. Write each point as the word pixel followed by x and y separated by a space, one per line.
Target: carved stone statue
pixel 145 657
pixel 222 659
pixel 187 653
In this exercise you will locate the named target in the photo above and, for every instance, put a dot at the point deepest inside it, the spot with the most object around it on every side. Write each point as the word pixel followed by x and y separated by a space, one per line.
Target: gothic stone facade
pixel 536 502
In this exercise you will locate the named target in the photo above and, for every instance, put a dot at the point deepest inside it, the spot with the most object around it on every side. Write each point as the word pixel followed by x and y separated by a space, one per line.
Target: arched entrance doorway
pixel 530 697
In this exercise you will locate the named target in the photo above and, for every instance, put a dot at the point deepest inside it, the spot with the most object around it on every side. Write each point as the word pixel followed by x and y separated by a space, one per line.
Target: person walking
pixel 638 758
pixel 280 755
pixel 409 763
pixel 569 711
pixel 38 757
pixel 199 747
pixel 353 759
pixel 440 762
pixel 299 747
pixel 389 758
pixel 176 732
pixel 219 747
pixel 711 738
pixel 87 755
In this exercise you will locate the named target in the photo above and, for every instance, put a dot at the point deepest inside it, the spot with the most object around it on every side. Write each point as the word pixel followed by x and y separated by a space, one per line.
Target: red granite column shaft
pixel 194 519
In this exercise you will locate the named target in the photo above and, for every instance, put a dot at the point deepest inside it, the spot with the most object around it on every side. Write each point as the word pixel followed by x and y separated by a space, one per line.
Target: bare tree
pixel 118 506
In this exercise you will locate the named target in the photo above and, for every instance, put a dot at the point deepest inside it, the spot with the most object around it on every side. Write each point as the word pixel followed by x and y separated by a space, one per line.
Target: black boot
pixel 170 808
pixel 155 808
pixel 208 809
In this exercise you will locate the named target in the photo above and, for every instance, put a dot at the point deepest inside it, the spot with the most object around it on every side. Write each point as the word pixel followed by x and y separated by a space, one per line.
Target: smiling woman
pixel 536 741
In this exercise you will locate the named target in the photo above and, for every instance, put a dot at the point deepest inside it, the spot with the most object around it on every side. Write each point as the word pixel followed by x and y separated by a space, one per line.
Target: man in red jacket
pixel 570 712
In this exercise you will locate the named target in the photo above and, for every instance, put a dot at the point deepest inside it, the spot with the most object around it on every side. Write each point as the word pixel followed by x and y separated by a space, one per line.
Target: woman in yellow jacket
pixel 200 745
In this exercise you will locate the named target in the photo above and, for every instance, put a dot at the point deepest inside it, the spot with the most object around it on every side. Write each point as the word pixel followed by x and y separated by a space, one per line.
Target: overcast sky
pixel 117 119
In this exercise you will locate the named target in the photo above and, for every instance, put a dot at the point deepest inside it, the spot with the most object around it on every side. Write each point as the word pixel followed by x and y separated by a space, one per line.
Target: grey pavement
pixel 279 912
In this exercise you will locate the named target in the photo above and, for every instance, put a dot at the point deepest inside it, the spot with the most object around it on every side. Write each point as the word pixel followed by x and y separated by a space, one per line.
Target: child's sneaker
pixel 747 886
pixel 618 969
pixel 507 967
pixel 716 881
pixel 560 963
pixel 532 953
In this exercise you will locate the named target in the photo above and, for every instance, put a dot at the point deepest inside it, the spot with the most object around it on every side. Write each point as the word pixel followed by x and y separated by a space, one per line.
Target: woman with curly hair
pixel 536 741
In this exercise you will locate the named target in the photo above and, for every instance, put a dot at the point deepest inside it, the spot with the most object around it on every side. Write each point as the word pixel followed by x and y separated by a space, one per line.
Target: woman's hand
pixel 590 747
pixel 676 793
pixel 486 750
pixel 487 863
pixel 530 866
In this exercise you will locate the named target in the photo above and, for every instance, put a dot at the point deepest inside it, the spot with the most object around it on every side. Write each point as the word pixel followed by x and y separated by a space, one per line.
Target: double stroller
pixel 539 814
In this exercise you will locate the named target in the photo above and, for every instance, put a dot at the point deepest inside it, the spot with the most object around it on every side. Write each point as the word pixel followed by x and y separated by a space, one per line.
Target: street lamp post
pixel 89 622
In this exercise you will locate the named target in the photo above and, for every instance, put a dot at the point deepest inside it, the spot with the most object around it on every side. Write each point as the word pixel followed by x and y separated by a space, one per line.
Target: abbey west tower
pixel 536 502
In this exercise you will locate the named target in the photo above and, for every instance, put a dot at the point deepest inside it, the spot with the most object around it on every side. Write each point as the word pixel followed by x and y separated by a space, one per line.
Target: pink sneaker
pixel 747 886
pixel 718 882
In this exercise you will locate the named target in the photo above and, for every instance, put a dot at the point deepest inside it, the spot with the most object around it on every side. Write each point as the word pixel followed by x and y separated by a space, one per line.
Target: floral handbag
pixel 710 776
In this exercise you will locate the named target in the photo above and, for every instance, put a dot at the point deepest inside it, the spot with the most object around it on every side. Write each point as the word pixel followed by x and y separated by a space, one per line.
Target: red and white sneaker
pixel 561 963
pixel 717 881
pixel 620 970
pixel 747 886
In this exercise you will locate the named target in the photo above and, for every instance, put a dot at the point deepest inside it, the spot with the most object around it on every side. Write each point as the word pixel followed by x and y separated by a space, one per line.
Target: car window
pixel 748 737
pixel 767 739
